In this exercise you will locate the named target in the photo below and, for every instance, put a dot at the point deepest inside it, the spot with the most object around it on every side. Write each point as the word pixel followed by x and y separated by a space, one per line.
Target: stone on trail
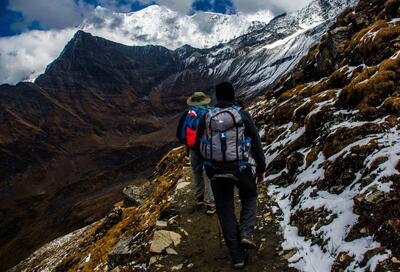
pixel 161 224
pixel 184 231
pixel 395 260
pixel 289 254
pixel 153 260
pixel 171 251
pixel 173 220
pixel 182 185
pixel 163 239
pixel 177 267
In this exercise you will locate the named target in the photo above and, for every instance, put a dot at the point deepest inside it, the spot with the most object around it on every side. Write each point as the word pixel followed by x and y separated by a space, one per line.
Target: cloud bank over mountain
pixel 24 56
pixel 276 6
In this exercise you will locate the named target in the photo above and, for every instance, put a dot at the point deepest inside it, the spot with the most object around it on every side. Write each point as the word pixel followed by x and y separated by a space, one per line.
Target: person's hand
pixel 260 179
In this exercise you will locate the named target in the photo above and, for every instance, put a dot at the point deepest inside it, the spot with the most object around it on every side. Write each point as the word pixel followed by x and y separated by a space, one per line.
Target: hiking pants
pixel 223 190
pixel 202 185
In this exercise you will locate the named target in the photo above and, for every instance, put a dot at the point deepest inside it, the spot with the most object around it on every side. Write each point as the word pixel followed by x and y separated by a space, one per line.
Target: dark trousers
pixel 223 190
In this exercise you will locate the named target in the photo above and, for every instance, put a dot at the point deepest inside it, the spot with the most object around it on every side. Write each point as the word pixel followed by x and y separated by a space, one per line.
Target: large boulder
pixel 134 195
pixel 163 239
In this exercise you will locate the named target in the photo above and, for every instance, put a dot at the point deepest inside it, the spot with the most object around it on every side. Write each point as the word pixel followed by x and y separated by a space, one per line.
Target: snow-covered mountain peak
pixel 159 25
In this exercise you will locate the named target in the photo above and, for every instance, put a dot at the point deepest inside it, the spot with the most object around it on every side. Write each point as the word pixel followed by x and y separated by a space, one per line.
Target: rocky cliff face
pixel 70 142
pixel 331 133
pixel 261 57
pixel 93 62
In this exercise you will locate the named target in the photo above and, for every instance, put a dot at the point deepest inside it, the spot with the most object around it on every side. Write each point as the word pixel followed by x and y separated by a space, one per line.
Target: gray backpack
pixel 224 139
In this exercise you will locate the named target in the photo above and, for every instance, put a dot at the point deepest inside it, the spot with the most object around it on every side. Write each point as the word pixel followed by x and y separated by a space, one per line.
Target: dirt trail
pixel 200 249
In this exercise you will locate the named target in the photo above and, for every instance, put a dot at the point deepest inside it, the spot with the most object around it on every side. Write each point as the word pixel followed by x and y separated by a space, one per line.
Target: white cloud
pixel 24 56
pixel 50 14
pixel 276 6
pixel 181 6
pixel 124 6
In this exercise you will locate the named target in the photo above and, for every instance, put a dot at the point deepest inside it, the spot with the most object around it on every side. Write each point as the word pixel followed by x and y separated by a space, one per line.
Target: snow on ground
pixel 313 257
pixel 162 26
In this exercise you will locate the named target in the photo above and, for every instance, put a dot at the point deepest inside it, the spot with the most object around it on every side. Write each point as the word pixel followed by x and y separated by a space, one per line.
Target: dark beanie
pixel 225 92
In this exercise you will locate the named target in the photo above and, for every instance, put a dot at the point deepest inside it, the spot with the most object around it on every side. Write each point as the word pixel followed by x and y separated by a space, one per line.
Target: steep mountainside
pixel 69 143
pixel 94 62
pixel 332 140
pixel 260 58
pixel 102 113
pixel 129 226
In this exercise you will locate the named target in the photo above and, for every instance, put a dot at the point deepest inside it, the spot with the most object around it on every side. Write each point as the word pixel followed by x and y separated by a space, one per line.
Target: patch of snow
pixel 313 257
pixel 162 26
pixel 394 21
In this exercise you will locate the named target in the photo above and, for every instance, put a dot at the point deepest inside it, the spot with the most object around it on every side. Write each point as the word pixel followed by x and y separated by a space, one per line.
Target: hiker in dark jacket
pixel 225 176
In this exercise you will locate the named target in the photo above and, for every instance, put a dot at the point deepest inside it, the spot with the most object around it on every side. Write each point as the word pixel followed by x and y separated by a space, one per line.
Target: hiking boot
pixel 238 265
pixel 199 202
pixel 248 243
pixel 210 208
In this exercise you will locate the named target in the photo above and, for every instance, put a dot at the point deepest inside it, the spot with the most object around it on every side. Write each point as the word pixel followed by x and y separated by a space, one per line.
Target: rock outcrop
pixel 134 195
pixel 332 139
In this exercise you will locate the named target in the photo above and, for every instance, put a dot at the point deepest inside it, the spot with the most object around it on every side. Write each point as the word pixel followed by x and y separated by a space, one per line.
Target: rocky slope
pixel 89 249
pixel 331 134
pixel 159 228
pixel 260 58
pixel 71 142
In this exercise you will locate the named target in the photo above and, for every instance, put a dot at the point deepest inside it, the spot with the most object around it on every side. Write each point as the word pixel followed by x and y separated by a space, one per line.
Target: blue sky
pixel 18 16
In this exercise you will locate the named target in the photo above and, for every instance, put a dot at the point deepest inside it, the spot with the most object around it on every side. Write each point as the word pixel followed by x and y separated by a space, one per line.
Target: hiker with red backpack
pixel 187 134
pixel 226 138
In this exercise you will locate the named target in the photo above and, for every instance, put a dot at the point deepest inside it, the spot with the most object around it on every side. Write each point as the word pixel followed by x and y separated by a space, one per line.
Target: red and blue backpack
pixel 191 125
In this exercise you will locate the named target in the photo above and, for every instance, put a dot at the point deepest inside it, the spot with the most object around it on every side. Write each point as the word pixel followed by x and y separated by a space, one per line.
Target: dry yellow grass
pixel 134 220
